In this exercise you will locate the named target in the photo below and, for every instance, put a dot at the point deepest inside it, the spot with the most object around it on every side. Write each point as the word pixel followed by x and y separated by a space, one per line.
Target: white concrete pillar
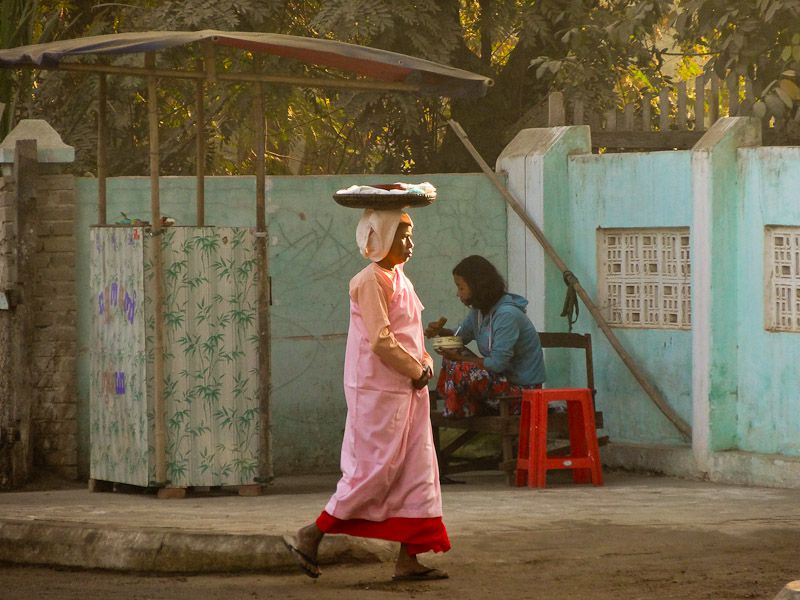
pixel 715 191
pixel 535 164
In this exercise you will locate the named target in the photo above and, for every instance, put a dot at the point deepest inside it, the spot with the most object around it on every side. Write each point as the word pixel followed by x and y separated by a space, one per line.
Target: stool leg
pixel 523 450
pixel 578 435
pixel 593 448
pixel 538 474
pixel 507 445
pixel 533 436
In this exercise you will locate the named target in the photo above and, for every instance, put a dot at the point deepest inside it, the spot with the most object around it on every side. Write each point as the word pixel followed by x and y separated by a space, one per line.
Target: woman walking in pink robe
pixel 390 479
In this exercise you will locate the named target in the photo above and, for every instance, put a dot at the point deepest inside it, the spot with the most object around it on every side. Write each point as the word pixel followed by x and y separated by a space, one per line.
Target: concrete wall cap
pixel 538 140
pixel 49 146
pixel 747 129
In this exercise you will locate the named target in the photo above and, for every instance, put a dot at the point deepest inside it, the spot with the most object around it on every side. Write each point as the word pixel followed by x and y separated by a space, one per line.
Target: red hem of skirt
pixel 418 534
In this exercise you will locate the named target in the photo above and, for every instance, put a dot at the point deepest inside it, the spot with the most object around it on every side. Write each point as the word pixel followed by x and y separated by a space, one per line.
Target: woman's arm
pixel 372 299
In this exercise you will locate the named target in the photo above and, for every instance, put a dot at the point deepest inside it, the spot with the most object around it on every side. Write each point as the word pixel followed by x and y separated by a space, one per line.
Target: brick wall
pixel 50 336
pixel 53 353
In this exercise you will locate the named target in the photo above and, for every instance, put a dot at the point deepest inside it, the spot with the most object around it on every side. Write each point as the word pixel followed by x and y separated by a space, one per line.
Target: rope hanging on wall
pixel 571 309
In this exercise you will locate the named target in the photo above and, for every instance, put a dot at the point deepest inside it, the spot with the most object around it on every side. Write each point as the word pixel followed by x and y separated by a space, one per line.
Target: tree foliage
pixel 24 22
pixel 602 51
pixel 759 39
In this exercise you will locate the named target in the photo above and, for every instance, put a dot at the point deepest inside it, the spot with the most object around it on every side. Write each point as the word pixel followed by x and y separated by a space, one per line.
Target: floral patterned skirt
pixel 468 390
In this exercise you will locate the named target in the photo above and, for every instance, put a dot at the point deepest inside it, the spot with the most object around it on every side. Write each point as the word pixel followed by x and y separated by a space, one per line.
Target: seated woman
pixel 512 357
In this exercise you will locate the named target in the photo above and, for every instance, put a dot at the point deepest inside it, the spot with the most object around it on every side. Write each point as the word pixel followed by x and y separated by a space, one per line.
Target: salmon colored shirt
pixel 388 460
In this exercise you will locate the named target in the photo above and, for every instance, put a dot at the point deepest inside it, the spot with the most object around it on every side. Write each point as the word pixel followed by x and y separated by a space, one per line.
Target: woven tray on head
pixel 384 201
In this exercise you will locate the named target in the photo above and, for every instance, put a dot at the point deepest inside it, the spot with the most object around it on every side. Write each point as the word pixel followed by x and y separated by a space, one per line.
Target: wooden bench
pixel 506 425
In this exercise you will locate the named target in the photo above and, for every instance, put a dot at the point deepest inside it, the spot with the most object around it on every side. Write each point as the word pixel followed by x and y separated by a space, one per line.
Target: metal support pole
pixel 160 442
pixel 102 164
pixel 265 465
pixel 200 127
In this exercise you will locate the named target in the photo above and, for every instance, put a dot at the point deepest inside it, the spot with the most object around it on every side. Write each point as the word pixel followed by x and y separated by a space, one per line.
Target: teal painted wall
pixel 312 256
pixel 768 419
pixel 625 190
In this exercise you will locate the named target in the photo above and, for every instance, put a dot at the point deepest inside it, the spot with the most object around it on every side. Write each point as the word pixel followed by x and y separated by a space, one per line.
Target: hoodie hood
pixel 509 299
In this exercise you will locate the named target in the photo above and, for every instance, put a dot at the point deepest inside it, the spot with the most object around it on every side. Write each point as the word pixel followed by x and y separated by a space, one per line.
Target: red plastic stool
pixel 584 458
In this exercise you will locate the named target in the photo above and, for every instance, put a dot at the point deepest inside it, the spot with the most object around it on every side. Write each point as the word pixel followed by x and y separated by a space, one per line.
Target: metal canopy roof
pixel 384 69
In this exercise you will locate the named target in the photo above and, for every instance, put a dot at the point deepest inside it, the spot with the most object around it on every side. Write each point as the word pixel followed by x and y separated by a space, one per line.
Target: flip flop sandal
pixel 307 564
pixel 427 575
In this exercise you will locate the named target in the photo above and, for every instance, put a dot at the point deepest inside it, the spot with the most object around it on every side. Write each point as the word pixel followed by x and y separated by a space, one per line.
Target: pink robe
pixel 388 460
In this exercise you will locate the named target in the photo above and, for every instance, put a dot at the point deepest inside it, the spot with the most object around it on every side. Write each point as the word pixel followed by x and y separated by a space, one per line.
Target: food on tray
pixel 447 341
pixel 425 189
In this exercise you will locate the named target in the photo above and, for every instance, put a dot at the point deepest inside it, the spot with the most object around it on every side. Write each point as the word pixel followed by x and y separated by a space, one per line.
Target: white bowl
pixel 447 341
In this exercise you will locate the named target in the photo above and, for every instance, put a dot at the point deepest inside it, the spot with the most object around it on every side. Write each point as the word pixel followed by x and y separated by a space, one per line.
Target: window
pixel 644 277
pixel 782 272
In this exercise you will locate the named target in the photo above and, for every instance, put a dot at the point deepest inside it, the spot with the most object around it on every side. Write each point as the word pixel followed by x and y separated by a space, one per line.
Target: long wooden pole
pixel 159 406
pixel 265 462
pixel 200 148
pixel 633 367
pixel 102 159
pixel 24 197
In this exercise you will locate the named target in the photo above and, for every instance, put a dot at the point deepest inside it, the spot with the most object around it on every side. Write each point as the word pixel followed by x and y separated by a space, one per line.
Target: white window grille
pixel 644 277
pixel 782 271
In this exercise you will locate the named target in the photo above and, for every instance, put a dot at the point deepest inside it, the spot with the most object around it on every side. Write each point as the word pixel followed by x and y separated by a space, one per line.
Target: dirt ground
pixel 567 560
pixel 748 553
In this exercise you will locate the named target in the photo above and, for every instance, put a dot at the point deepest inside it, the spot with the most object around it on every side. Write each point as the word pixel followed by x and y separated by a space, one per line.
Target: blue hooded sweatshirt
pixel 507 340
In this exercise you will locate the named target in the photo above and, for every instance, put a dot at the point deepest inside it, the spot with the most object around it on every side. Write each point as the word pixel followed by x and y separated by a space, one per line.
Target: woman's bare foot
pixel 304 547
pixel 408 568
pixel 308 539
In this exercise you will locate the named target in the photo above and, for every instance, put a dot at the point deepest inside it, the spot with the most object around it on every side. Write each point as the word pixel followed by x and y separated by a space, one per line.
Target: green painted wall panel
pixel 312 255
pixel 768 419
pixel 626 190
pixel 753 395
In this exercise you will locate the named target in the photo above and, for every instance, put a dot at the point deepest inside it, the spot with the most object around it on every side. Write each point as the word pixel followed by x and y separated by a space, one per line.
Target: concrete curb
pixel 167 550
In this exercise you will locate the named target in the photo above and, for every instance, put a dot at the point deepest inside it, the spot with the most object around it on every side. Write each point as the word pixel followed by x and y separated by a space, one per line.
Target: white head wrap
pixel 375 232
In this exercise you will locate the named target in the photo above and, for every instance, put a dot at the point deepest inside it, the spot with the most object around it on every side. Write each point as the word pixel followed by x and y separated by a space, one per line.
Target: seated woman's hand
pixel 436 328
pixel 463 354
pixel 448 353
pixel 458 354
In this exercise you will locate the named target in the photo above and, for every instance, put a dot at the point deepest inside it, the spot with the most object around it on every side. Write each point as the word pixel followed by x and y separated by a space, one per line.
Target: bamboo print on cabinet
pixel 210 356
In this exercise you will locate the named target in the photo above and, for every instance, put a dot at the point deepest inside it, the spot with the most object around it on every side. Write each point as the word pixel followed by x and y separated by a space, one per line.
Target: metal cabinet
pixel 210 355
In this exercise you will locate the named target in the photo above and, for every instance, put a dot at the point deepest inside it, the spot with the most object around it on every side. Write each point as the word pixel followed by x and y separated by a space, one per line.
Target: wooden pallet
pixel 165 493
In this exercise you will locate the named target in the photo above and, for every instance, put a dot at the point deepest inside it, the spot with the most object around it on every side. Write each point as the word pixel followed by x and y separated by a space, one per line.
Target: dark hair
pixel 485 283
